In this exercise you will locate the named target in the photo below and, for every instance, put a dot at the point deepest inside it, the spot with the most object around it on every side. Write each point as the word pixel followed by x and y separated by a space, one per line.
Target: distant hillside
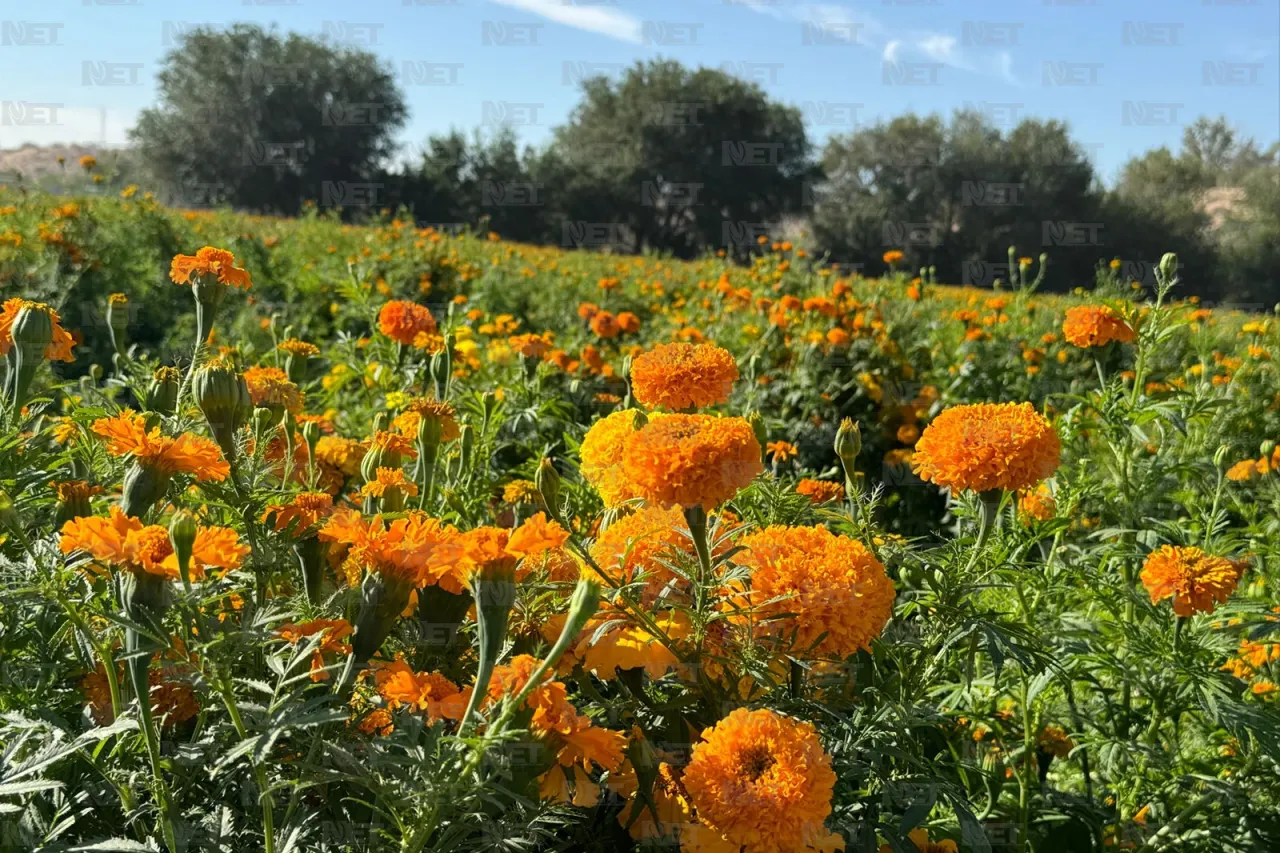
pixel 36 161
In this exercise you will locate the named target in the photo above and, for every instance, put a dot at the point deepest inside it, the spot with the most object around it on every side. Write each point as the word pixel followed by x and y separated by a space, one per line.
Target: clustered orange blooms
pixel 601 452
pixel 1197 582
pixel 270 387
pixel 683 376
pixel 691 460
pixel 58 350
pixel 125 543
pixel 414 550
pixel 820 491
pixel 832 591
pixel 988 446
pixel 404 321
pixel 1095 326
pixel 333 638
pixel 644 543
pixel 759 782
pixel 301 513
pixel 127 434
pixel 218 264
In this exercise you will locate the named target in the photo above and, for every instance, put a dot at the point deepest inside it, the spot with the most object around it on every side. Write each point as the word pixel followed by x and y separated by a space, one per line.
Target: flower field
pixel 416 541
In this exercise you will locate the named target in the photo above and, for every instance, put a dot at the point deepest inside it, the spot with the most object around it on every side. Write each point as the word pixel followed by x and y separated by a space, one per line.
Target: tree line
pixel 683 161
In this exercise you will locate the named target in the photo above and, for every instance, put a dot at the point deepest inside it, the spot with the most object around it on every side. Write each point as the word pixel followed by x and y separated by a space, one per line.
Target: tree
pixel 677 159
pixel 264 122
pixel 956 195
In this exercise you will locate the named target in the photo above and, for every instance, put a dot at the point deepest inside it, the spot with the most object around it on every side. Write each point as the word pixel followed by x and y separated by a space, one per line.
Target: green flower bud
pixel 311 435
pixel 143 486
pixel 182 535
pixel 95 371
pixel 848 442
pixel 639 420
pixel 223 398
pixel 1267 447
pixel 1168 266
pixel 118 322
pixel 757 426
pixel 547 479
pixel 32 333
pixel 162 393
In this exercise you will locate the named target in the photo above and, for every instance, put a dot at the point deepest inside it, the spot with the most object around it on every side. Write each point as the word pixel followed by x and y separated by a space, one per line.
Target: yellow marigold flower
pixel 820 491
pixel 807 582
pixel 403 321
pixel 601 455
pixel 683 376
pixel 298 348
pixel 521 492
pixel 123 542
pixel 438 412
pixel 1095 325
pixel 271 388
pixel 1197 582
pixel 1252 657
pixel 389 479
pixel 208 261
pixel 343 454
pixel 760 782
pixel 987 446
pixel 88 162
pixel 691 460
pixel 1036 505
pixel 611 642
pixel 127 435
pixel 644 543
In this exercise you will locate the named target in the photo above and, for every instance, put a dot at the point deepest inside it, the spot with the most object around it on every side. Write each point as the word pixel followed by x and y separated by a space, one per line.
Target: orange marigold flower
pixel 601 454
pixel 1036 504
pixel 532 346
pixel 605 325
pixel 988 446
pixel 301 513
pixel 781 451
pixel 298 348
pixel 908 433
pixel 343 454
pixel 824 594
pixel 208 261
pixel 127 435
pixel 1052 740
pixel 389 479
pixel 1197 582
pixel 691 460
pixel 760 782
pixel 644 543
pixel 403 321
pixel 572 735
pixel 124 542
pixel 611 642
pixel 628 322
pixel 59 348
pixel 683 376
pixel 431 692
pixel 333 638
pixel 820 491
pixel 438 412
pixel 920 838
pixel 413 550
pixel 1095 325
pixel 1252 657
pixel 270 387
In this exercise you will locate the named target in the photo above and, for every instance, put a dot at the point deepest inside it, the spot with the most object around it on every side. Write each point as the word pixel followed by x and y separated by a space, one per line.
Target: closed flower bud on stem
pixel 223 398
pixel 32 335
pixel 118 322
pixel 547 479
pixel 182 535
pixel 162 393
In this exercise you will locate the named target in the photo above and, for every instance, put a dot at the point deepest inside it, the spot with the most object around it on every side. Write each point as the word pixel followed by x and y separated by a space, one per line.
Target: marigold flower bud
pixel 32 333
pixel 848 442
pixel 1168 266
pixel 223 398
pixel 162 393
pixel 182 535
pixel 1267 447
pixel 547 479
pixel 118 322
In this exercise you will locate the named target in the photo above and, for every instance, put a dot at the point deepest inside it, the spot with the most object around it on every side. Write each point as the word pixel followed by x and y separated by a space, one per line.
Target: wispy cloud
pixel 593 19
pixel 861 28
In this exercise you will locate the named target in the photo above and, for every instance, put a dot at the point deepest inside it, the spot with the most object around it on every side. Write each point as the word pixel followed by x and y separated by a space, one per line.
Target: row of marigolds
pixel 667 591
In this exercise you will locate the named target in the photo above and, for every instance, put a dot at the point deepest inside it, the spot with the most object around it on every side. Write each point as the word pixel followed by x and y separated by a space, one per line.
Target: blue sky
pixel 1127 75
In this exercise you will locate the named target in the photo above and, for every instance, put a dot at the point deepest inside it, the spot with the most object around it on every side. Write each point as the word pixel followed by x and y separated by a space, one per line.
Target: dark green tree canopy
pixel 680 158
pixel 257 120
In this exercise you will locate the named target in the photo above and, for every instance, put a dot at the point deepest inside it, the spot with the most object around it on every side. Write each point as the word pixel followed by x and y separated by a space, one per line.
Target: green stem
pixel 260 777
pixel 138 673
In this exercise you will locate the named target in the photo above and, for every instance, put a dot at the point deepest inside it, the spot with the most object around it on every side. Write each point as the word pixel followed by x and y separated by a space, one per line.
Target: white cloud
pixel 49 124
pixel 593 19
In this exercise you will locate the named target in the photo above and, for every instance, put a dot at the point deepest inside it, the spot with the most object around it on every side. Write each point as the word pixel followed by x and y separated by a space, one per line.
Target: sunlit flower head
pixel 601 454
pixel 683 376
pixel 1095 326
pixel 1197 582
pixel 301 513
pixel 438 413
pixel 820 491
pixel 412 550
pixel 430 692
pixel 760 782
pixel 126 544
pixel 987 446
pixel 646 542
pixel 271 388
pixel 59 349
pixel 298 348
pixel 387 480
pixel 691 460
pixel 126 434
pixel 403 321
pixel 824 595
pixel 216 264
